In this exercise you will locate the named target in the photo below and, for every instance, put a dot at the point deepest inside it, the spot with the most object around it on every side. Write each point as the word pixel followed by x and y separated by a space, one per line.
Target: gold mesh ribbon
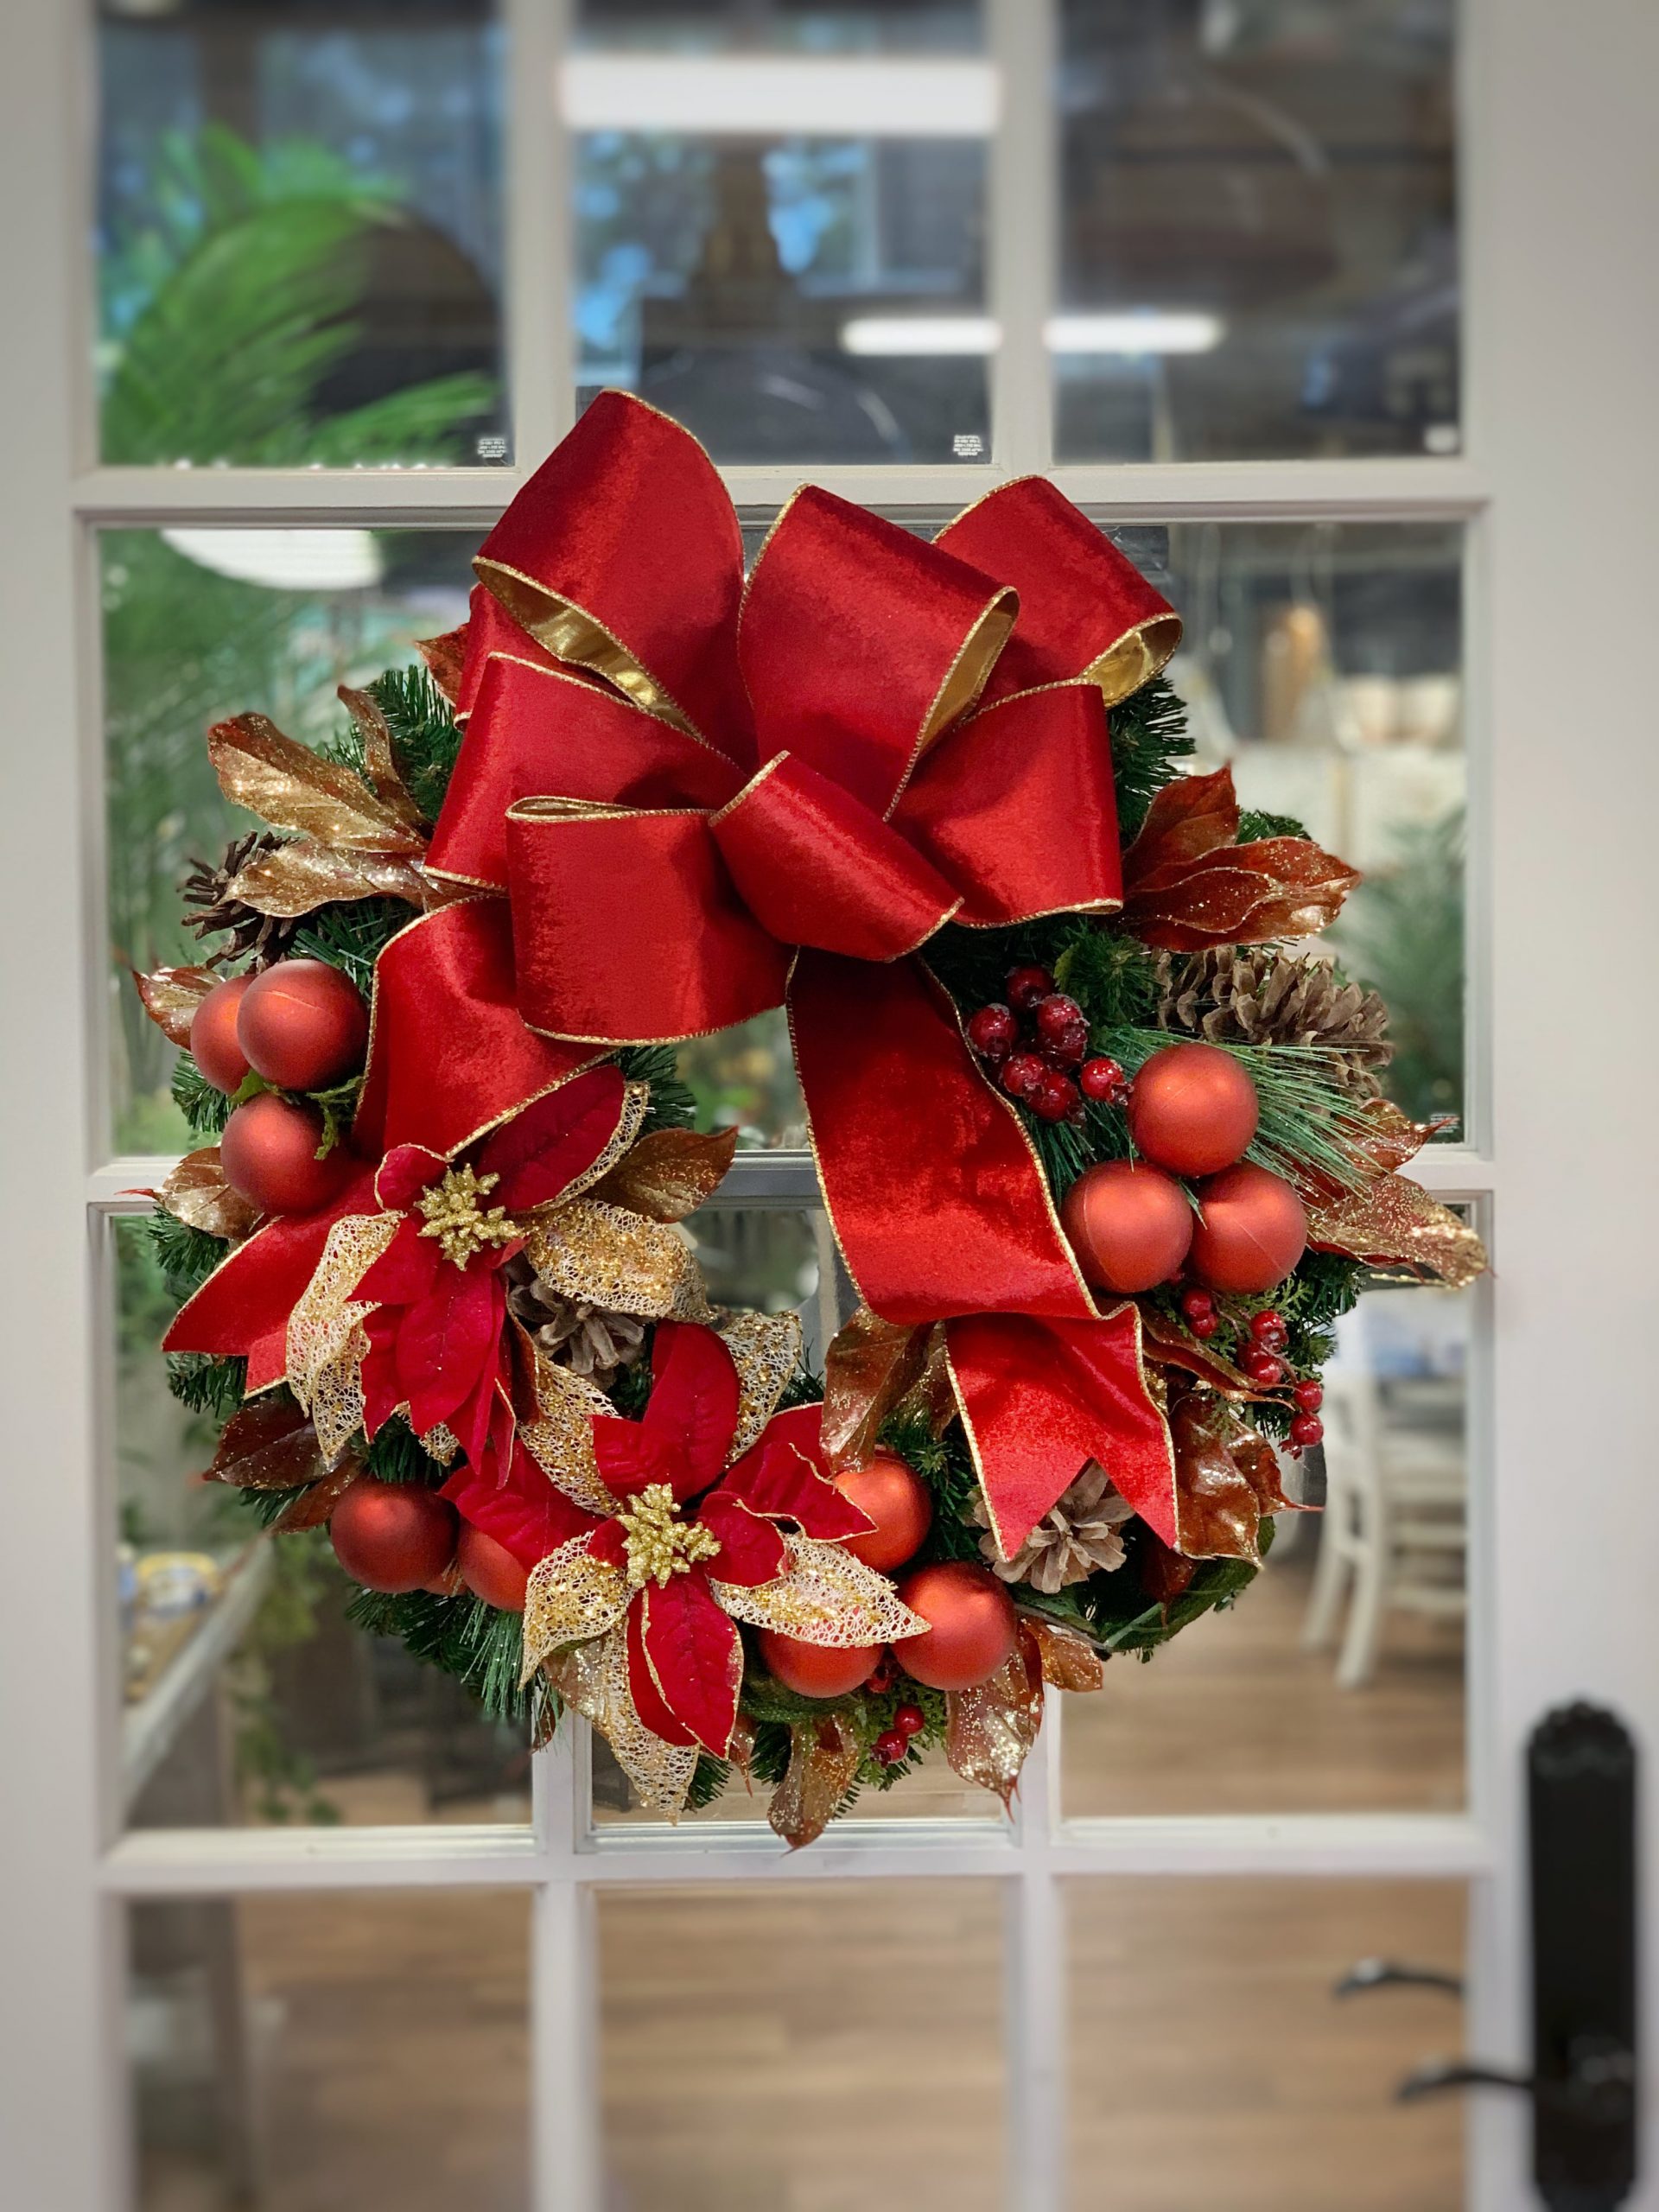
pixel 325 1341
pixel 618 1261
pixel 824 1596
pixel 593 1680
pixel 569 1599
pixel 765 1350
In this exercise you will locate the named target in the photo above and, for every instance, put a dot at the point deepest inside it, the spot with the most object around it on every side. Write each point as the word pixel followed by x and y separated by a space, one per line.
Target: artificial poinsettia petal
pixel 691 1415
pixel 610 1543
pixel 693 1655
pixel 651 1707
pixel 751 1549
pixel 785 1477
pixel 407 1272
pixel 404 1173
pixel 629 1456
pixel 444 1343
pixel 378 1377
pixel 557 1141
pixel 824 1596
pixel 524 1511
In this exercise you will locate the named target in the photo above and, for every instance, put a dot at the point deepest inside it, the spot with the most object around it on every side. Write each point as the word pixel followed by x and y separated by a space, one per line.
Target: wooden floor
pixel 837 2048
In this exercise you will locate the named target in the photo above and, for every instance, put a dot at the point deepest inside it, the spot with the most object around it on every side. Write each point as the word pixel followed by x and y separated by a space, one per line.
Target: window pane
pixel 314 2052
pixel 299 233
pixel 1259 248
pixel 780 224
pixel 200 623
pixel 247 1696
pixel 1336 1683
pixel 772 2047
pixel 1211 2064
pixel 1323 660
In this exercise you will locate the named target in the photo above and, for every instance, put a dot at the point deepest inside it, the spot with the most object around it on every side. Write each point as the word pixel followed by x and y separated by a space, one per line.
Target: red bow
pixel 702 798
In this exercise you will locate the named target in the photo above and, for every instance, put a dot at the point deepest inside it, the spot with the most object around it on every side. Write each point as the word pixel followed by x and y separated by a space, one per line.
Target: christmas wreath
pixel 1103 1158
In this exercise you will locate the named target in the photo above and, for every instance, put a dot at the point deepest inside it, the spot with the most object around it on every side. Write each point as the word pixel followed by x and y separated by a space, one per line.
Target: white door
pixel 1340 313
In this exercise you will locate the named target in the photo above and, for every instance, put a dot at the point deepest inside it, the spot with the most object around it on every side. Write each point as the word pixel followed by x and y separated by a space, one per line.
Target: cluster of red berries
pixel 1263 1362
pixel 893 1743
pixel 1043 1058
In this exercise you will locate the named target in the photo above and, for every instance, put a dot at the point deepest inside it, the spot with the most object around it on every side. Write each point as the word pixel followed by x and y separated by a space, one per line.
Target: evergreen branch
pixel 1149 740
pixel 671 1105
pixel 204 1384
pixel 205 1107
pixel 187 1257
pixel 351 936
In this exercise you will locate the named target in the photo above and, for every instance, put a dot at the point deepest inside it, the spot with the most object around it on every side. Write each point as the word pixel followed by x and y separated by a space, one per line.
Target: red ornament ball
pixel 1305 1430
pixel 268 1153
pixel 1103 1079
pixel 1129 1224
pixel 392 1536
pixel 490 1571
pixel 1025 986
pixel 972 1628
pixel 1309 1397
pixel 896 1498
pixel 817 1669
pixel 304 1025
pixel 1023 1073
pixel 993 1032
pixel 1193 1108
pixel 1251 1230
pixel 213 1045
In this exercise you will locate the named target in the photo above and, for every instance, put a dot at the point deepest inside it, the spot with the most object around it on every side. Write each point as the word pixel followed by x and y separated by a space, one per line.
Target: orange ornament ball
pixel 1129 1224
pixel 490 1571
pixel 1252 1231
pixel 268 1153
pixel 213 1043
pixel 817 1669
pixel 304 1025
pixel 971 1625
pixel 1193 1109
pixel 895 1497
pixel 392 1536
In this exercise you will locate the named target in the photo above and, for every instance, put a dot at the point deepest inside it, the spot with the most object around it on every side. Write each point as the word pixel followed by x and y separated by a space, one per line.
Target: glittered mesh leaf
pixel 593 1682
pixel 765 1350
pixel 615 1259
pixel 560 1436
pixel 826 1596
pixel 325 1342
pixel 1392 1222
pixel 196 1193
pixel 670 1173
pixel 290 786
pixel 171 995
pixel 570 1598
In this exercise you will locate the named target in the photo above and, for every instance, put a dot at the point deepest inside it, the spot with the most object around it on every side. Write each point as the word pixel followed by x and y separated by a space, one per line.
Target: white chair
pixel 1395 1530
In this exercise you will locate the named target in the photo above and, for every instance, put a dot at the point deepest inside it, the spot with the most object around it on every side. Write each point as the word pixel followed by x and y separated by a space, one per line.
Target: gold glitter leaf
pixel 670 1173
pixel 1392 1221
pixel 297 877
pixel 379 762
pixel 593 1680
pixel 570 1598
pixel 824 1596
pixel 766 1348
pixel 292 788
pixel 196 1193
pixel 823 1757
pixel 171 997
pixel 561 1438
pixel 989 1728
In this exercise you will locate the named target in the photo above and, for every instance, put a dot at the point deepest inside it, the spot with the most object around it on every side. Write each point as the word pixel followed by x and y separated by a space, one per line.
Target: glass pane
pixel 1336 1683
pixel 200 623
pixel 314 2052
pixel 766 2048
pixel 1325 661
pixel 1212 2064
pixel 1259 247
pixel 299 234
pixel 247 1696
pixel 780 221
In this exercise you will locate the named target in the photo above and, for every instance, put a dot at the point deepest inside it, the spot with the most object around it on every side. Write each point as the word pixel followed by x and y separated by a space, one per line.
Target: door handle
pixel 1599 2088
pixel 1395 1974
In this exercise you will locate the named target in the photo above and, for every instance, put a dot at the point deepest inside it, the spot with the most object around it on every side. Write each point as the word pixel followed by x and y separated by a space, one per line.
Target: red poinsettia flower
pixel 437 1338
pixel 697 1540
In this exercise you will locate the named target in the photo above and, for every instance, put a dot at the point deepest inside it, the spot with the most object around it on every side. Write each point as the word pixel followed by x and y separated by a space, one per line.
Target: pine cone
pixel 267 937
pixel 588 1340
pixel 1254 996
pixel 1076 1537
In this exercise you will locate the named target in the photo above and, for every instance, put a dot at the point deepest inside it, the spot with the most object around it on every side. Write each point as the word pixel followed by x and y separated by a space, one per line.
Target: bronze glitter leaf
pixel 292 787
pixel 378 758
pixel 1069 1661
pixel 171 997
pixel 1393 1222
pixel 445 659
pixel 670 1173
pixel 197 1193
pixel 269 1444
pixel 823 1757
pixel 1190 816
pixel 301 875
pixel 313 1506
pixel 1217 1512
pixel 1167 1344
pixel 990 1728
pixel 875 1368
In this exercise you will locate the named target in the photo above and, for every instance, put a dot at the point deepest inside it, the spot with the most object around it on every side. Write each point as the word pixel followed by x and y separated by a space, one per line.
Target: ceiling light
pixel 1137 330
pixel 919 334
pixel 285 560
pixel 769 96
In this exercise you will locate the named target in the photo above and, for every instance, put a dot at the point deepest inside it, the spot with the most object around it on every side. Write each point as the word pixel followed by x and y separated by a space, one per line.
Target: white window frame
pixel 1557 160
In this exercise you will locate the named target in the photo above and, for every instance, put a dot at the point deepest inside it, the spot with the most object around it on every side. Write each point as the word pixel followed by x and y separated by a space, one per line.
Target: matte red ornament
pixel 1129 1224
pixel 896 1498
pixel 972 1626
pixel 304 1025
pixel 1193 1108
pixel 1251 1230
pixel 268 1153
pixel 817 1669
pixel 993 1032
pixel 1027 985
pixel 392 1536
pixel 490 1571
pixel 213 1043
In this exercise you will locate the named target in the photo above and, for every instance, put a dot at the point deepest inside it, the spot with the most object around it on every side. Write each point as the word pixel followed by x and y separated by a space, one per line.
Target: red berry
pixel 1195 1301
pixel 1306 1429
pixel 1264 1370
pixel 1025 986
pixel 1269 1329
pixel 890 1747
pixel 1057 1016
pixel 1309 1397
pixel 993 1032
pixel 910 1720
pixel 1022 1072
pixel 1054 1097
pixel 1203 1325
pixel 1065 1051
pixel 1104 1078
pixel 879 1677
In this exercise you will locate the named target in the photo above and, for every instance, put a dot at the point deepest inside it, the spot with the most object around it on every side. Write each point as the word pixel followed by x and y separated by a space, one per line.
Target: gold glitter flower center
pixel 455 1216
pixel 660 1544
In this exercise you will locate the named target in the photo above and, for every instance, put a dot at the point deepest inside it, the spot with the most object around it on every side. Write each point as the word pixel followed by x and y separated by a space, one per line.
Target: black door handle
pixel 1395 1974
pixel 1598 2091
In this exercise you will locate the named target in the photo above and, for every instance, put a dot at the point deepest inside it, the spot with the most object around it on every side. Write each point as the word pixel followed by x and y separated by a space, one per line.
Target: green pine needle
pixel 351 936
pixel 207 1385
pixel 1149 742
pixel 424 739
pixel 187 1257
pixel 671 1105
pixel 206 1109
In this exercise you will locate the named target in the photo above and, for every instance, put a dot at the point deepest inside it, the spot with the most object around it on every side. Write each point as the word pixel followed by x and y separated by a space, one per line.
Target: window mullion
pixel 1021 233
pixel 540 257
